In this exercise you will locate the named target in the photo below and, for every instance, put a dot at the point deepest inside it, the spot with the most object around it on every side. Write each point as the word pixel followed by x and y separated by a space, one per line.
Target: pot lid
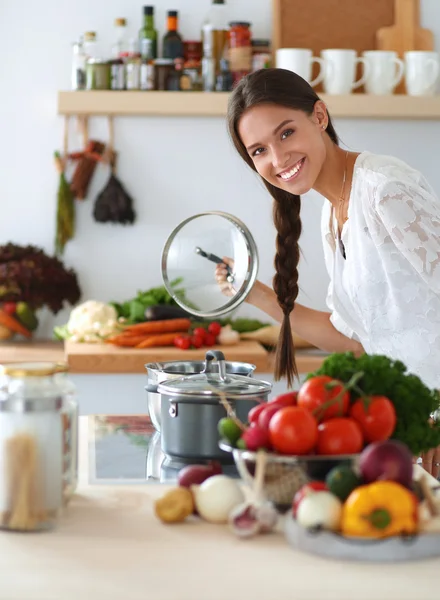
pixel 190 257
pixel 207 384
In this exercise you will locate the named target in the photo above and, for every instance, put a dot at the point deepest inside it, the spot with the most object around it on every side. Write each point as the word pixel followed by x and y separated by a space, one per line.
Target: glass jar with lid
pixel 240 49
pixel 36 471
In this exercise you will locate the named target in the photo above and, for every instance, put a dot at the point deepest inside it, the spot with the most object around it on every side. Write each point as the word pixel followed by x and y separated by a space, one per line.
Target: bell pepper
pixel 378 510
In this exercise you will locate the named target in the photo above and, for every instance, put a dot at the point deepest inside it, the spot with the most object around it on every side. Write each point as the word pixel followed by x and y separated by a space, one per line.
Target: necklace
pixel 342 194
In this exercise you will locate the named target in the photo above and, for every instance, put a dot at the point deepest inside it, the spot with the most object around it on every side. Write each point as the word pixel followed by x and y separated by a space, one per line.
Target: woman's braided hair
pixel 284 88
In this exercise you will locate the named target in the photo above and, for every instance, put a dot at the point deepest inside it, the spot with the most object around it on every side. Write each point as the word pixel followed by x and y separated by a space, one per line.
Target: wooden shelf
pixel 214 104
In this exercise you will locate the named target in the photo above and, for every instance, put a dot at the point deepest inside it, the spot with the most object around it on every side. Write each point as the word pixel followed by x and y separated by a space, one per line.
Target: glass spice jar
pixel 163 67
pixel 240 49
pixel 261 55
pixel 98 74
pixel 31 447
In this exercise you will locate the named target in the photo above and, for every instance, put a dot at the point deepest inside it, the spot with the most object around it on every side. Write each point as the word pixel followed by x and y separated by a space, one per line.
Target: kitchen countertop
pixel 110 545
pixel 105 358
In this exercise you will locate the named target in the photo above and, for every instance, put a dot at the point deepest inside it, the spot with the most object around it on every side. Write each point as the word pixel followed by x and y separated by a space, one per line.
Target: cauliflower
pixel 92 321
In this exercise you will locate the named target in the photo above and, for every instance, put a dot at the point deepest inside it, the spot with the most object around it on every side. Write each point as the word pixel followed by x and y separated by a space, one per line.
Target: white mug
pixel 385 72
pixel 340 71
pixel 300 61
pixel 421 73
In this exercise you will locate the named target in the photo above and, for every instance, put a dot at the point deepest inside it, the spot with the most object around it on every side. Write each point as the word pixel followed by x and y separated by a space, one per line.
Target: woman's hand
pixel 221 274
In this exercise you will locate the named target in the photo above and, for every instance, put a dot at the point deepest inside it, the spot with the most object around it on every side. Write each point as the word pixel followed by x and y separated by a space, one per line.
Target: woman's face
pixel 286 146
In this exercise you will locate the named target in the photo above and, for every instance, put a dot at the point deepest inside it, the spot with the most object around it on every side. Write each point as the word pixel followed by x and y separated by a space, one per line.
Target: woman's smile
pixel 292 172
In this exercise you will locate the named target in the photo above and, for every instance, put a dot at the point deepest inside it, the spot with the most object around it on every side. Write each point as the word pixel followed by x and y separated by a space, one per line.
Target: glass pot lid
pixel 207 384
pixel 190 257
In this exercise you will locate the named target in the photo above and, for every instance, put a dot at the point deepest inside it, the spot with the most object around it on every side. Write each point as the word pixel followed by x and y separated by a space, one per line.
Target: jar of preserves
pixel 98 74
pixel 240 49
pixel 31 446
pixel 261 55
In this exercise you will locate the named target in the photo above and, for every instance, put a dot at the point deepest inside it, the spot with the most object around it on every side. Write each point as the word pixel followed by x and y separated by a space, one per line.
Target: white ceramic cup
pixel 340 71
pixel 300 61
pixel 385 73
pixel 421 73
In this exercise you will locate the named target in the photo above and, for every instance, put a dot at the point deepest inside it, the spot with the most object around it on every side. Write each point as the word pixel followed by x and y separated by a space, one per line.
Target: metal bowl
pixel 159 372
pixel 285 474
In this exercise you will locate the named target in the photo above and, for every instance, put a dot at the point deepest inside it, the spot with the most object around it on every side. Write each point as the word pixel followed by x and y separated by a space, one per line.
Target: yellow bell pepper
pixel 379 510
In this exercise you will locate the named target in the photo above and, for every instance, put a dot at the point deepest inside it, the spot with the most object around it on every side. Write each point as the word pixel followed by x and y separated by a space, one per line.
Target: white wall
pixel 173 167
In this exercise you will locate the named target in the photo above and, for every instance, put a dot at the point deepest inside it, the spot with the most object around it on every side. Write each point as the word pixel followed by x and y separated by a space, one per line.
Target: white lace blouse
pixel 386 293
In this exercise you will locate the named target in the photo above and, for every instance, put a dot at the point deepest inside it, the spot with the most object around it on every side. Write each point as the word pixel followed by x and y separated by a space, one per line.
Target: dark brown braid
pixel 284 88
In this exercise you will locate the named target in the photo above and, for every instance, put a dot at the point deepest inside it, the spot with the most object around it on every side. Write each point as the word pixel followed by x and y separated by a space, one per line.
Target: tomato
pixel 293 430
pixel 377 420
pixel 197 341
pixel 10 308
pixel 266 415
pixel 210 339
pixel 309 488
pixel 214 328
pixel 320 390
pixel 200 332
pixel 182 342
pixel 288 399
pixel 341 435
pixel 255 412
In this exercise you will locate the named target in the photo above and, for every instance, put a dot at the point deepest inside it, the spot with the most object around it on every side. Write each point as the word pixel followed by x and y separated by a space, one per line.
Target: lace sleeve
pixel 410 215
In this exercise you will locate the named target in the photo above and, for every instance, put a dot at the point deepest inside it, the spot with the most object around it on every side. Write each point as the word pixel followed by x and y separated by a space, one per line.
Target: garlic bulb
pixel 216 497
pixel 249 519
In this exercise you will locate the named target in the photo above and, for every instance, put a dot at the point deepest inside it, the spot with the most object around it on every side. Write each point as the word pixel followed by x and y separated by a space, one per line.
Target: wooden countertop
pixel 104 358
pixel 109 540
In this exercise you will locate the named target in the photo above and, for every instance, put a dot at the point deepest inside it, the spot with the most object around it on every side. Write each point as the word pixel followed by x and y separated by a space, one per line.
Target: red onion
pixel 390 460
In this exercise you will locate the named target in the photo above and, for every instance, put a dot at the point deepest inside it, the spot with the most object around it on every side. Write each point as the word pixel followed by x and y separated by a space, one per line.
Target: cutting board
pixel 320 24
pixel 406 33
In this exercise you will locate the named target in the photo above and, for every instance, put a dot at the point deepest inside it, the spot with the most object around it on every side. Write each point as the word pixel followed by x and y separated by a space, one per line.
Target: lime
pixel 342 480
pixel 241 444
pixel 229 430
pixel 26 316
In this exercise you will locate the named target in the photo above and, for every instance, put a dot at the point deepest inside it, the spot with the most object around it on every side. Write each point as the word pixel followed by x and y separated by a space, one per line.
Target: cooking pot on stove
pixel 189 256
pixel 191 409
pixel 166 371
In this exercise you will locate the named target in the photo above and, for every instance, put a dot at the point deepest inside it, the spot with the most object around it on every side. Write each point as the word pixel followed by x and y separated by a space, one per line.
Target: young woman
pixel 380 229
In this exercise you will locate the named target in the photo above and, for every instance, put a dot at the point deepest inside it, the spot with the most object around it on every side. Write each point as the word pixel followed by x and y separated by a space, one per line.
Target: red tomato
pixel 288 399
pixel 255 412
pixel 197 341
pixel 324 397
pixel 214 328
pixel 341 435
pixel 377 420
pixel 182 342
pixel 266 415
pixel 210 339
pixel 10 308
pixel 200 332
pixel 293 430
pixel 309 488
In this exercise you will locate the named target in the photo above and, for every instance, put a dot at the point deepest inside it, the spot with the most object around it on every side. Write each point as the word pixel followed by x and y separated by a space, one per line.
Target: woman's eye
pixel 286 133
pixel 257 151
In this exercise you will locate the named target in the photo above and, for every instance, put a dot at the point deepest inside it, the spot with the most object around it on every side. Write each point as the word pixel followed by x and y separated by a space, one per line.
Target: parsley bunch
pixel 413 401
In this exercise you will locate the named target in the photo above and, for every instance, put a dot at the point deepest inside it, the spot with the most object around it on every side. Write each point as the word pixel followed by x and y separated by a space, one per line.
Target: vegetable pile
pixel 413 401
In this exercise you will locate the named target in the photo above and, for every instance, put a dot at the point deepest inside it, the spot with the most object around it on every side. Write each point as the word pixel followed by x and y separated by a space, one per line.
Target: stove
pixel 127 450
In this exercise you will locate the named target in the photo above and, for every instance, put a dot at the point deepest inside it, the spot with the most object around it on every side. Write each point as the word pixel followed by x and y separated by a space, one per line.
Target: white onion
pixel 216 497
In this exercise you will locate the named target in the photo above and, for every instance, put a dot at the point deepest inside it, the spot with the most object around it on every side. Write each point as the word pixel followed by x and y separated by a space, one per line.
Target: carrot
pixel 128 341
pixel 13 324
pixel 161 339
pixel 166 326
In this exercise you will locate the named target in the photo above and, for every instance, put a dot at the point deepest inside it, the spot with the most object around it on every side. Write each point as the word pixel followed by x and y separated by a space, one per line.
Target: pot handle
pixel 220 358
pixel 152 388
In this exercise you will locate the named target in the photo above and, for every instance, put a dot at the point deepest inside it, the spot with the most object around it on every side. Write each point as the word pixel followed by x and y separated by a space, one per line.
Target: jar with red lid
pixel 240 49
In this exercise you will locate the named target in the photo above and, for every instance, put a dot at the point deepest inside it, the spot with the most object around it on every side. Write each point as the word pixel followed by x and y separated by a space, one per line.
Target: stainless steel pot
pixel 191 409
pixel 166 371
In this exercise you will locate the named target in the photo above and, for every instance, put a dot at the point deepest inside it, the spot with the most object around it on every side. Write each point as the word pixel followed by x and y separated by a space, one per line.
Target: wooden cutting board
pixel 406 33
pixel 320 24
